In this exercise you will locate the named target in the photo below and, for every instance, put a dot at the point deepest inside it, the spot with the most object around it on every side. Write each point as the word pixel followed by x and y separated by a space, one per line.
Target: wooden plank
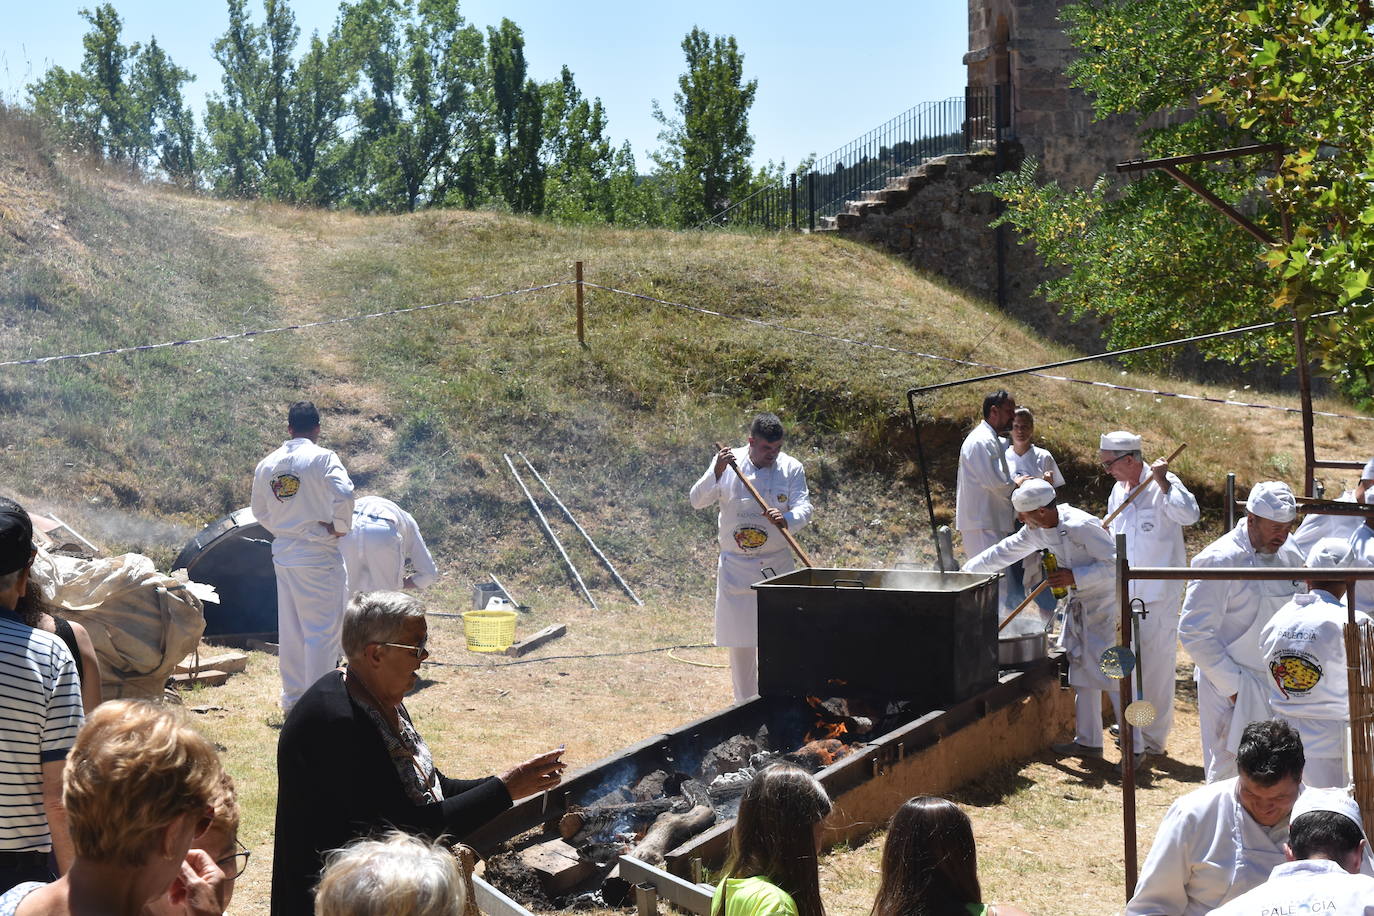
pixel 558 865
pixel 530 643
pixel 210 678
pixel 694 898
pixel 233 662
pixel 494 903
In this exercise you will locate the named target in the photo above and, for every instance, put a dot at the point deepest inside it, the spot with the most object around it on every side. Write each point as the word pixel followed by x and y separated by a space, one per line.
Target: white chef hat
pixel 1328 553
pixel 1336 800
pixel 1272 499
pixel 1119 441
pixel 1033 494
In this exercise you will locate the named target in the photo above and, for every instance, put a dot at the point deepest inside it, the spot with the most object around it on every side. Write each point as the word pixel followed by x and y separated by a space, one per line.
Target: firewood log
pixel 588 823
pixel 672 830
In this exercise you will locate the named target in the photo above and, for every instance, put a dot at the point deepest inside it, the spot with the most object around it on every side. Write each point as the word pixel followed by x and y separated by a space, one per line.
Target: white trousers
pixel 744 671
pixel 1087 717
pixel 1214 721
pixel 976 540
pixel 1325 773
pixel 310 605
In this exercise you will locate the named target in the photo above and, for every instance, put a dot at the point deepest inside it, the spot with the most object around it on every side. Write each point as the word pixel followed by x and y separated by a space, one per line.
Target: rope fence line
pixel 965 362
pixel 820 335
pixel 241 335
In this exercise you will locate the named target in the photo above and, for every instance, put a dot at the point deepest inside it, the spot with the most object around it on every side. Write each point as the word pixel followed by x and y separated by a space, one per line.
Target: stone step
pixel 232 662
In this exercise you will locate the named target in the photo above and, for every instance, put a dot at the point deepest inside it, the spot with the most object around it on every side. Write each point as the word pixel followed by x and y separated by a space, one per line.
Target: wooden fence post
pixel 581 334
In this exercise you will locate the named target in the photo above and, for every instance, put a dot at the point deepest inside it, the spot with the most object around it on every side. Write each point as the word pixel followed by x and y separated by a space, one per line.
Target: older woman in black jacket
pixel 350 762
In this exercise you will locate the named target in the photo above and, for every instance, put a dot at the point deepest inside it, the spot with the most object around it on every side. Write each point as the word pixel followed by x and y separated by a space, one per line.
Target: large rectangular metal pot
pixel 920 635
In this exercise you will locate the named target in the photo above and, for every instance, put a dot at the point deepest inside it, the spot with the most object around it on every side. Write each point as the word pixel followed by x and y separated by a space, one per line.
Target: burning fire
pixel 826 725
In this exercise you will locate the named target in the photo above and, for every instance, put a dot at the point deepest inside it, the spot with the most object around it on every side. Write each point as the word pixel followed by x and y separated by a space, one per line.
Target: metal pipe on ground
pixel 582 531
pixel 549 531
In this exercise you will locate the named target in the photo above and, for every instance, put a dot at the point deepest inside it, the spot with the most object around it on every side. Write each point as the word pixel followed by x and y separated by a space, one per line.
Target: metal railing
pixel 824 188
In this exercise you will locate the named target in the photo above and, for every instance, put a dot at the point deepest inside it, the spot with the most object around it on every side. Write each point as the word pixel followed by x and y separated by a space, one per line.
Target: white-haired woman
pixel 398 875
pixel 350 762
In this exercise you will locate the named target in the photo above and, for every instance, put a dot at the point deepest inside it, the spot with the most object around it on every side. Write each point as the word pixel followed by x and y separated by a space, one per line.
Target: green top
pixel 978 909
pixel 753 897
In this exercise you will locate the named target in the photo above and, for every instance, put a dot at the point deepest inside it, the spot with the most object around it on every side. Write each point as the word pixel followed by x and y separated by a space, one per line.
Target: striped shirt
pixel 40 713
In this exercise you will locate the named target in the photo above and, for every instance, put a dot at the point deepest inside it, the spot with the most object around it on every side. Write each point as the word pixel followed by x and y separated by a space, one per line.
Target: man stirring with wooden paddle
pixel 1153 523
pixel 753 540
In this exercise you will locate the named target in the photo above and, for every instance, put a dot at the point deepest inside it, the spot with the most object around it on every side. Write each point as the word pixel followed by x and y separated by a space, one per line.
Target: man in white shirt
pixel 304 497
pixel 383 539
pixel 751 543
pixel 1153 524
pixel 983 513
pixel 1222 619
pixel 1325 848
pixel 1304 650
pixel 1087 567
pixel 1221 840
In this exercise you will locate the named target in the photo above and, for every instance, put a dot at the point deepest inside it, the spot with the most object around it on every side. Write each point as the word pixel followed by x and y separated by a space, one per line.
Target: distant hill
pixel 421 406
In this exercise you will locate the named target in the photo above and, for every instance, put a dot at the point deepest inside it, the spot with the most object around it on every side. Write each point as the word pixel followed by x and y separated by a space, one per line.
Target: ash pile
pixel 571 863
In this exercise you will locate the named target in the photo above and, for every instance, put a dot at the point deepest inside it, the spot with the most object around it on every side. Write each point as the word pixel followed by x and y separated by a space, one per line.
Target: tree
pixel 518 111
pixel 124 104
pixel 578 153
pixel 1155 258
pixel 422 67
pixel 706 162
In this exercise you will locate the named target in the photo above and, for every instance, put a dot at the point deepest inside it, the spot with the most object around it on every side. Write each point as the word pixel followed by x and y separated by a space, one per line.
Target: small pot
pixel 1022 650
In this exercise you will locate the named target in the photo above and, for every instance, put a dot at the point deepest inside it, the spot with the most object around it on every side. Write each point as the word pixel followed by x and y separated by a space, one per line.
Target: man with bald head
pixel 1153 524
pixel 1222 620
pixel 1086 556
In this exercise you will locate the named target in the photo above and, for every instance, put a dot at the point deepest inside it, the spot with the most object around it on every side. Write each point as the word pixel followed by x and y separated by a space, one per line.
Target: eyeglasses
pixel 1107 465
pixel 236 864
pixel 420 652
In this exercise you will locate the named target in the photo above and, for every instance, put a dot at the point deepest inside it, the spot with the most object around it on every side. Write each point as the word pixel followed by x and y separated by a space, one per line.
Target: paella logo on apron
pixel 285 486
pixel 750 538
pixel 1295 673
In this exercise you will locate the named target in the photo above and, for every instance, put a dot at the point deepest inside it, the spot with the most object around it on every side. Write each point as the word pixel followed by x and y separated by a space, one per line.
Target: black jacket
pixel 336 782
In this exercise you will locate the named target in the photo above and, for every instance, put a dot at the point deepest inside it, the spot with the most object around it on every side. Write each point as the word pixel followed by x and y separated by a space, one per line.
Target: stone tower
pixel 1021 46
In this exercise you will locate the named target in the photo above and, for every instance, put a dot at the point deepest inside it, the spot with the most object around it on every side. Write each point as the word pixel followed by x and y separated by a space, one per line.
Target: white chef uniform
pixel 1208 850
pixel 750 546
pixel 383 537
pixel 1362 554
pixel 1080 544
pixel 1304 888
pixel 1304 651
pixel 1153 524
pixel 1220 627
pixel 1036 462
pixel 982 498
pixel 295 489
pixel 1314 527
pixel 1314 885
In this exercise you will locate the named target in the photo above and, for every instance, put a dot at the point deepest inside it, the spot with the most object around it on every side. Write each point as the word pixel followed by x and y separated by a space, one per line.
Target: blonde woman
pixel 221 843
pixel 139 788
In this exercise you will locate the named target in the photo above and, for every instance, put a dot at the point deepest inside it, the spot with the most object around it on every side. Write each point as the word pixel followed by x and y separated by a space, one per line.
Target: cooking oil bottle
pixel 1048 564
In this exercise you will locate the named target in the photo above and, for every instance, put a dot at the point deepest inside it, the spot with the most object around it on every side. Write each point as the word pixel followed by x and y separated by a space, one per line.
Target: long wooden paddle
pixel 787 535
pixel 1035 593
pixel 1106 522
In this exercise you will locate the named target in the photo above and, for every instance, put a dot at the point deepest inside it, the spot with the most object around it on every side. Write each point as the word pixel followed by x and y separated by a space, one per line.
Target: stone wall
pixel 943 229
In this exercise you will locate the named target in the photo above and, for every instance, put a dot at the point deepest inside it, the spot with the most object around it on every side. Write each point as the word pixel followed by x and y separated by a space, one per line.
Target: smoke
pixel 115 530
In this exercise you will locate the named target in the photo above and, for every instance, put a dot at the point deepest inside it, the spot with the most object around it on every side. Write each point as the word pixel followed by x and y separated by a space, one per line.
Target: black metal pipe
pixel 1096 356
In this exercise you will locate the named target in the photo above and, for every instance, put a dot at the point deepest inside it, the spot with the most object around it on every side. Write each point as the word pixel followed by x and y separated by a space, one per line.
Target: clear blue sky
pixel 827 72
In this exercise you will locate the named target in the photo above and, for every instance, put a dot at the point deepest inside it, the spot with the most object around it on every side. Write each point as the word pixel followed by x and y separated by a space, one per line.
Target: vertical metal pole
pixel 1123 585
pixel 1309 451
pixel 1000 240
pixel 794 201
pixel 811 201
pixel 1230 501
pixel 581 336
